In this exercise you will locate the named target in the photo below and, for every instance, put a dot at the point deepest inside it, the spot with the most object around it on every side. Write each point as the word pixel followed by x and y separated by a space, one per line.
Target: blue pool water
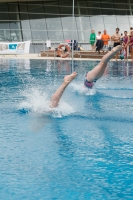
pixel 83 150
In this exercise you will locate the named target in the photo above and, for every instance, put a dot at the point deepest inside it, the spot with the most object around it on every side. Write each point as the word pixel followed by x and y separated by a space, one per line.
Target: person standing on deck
pixel 116 38
pixel 125 42
pixel 92 39
pixel 130 43
pixel 105 37
pixel 99 42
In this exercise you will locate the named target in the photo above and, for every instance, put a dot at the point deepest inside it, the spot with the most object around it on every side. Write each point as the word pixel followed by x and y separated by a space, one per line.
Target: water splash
pixel 36 101
pixel 81 89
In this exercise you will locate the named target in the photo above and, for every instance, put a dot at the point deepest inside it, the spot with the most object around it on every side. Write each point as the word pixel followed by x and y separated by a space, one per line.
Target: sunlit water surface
pixel 79 151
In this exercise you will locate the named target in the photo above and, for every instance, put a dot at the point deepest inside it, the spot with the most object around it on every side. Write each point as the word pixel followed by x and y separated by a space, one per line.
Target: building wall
pixel 42 20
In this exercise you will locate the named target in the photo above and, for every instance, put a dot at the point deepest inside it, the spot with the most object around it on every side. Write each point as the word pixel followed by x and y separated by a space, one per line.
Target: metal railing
pixel 40 45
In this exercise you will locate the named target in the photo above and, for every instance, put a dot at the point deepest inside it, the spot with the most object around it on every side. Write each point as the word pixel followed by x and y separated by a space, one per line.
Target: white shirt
pixel 98 37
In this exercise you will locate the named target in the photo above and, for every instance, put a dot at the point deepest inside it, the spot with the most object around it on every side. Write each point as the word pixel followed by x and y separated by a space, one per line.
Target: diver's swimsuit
pixel 89 84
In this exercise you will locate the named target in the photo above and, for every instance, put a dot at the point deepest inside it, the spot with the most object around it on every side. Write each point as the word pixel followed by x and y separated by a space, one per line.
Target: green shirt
pixel 92 38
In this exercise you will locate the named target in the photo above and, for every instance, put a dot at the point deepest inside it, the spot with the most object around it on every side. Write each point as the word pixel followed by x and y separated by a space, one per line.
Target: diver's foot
pixel 69 78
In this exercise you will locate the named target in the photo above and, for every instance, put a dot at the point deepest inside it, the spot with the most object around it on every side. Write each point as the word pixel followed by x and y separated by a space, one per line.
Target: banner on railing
pixel 48 43
pixel 15 47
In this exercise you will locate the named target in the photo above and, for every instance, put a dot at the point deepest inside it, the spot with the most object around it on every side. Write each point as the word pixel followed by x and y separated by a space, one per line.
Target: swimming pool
pixel 82 150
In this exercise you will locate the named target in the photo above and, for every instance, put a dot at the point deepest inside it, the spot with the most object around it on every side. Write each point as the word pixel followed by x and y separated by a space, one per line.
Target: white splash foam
pixel 38 102
pixel 83 90
pixel 63 109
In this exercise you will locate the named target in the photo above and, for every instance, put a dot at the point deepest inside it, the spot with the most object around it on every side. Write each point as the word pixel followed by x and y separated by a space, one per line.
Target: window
pixel 14 25
pixel 37 24
pixel 98 27
pixel 26 35
pixel 110 28
pixel 14 16
pixel 83 36
pixel 96 11
pixel 108 11
pixel 51 9
pixel 83 26
pixel 51 3
pixel 36 16
pixel 120 2
pixel 124 28
pixel 4 25
pixel 4 16
pixel 66 10
pixel 22 7
pixel 65 3
pixel 70 34
pixel 52 18
pixel 38 8
pixel 83 11
pixel 120 12
pixel 93 4
pixel 3 7
pixel 107 5
pixel 13 7
pixel 15 35
pixel 4 35
pixel 54 25
pixel 55 35
pixel 39 35
pixel 96 20
pixel 131 20
pixel 122 20
pixel 67 19
pixel 82 3
pixel 120 6
pixel 82 19
pixel 24 21
pixel 68 26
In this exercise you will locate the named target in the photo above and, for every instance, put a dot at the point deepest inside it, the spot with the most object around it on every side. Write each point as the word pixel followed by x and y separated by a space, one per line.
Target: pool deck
pixel 38 56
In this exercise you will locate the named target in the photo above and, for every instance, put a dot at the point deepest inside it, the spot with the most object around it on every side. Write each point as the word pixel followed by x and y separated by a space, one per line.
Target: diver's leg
pixel 98 71
pixel 57 95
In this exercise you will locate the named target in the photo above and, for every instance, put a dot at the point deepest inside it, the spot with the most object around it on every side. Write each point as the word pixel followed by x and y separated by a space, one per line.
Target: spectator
pixel 131 29
pixel 131 43
pixel 92 39
pixel 125 42
pixel 116 38
pixel 105 38
pixel 99 36
pixel 99 42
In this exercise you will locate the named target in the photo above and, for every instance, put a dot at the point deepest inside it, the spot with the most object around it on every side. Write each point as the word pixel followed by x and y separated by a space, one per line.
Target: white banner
pixel 48 43
pixel 14 47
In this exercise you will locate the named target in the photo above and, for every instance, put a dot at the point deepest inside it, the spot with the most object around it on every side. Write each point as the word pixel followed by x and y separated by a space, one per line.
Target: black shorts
pixel 116 44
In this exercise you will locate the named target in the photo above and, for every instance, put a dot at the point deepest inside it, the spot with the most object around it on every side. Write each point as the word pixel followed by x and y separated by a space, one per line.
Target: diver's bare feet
pixel 69 78
pixel 59 92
